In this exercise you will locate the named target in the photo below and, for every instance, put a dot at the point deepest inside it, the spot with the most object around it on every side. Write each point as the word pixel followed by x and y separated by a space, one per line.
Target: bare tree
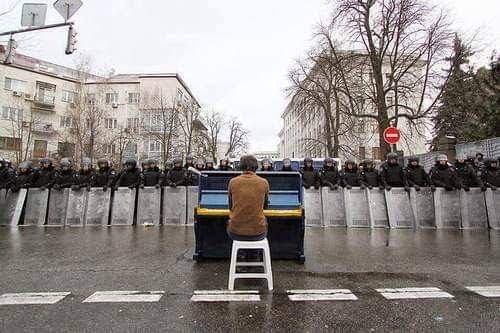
pixel 403 68
pixel 215 123
pixel 124 141
pixel 189 115
pixel 238 137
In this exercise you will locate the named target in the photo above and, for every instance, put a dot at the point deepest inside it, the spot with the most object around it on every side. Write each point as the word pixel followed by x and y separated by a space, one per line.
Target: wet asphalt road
pixel 85 260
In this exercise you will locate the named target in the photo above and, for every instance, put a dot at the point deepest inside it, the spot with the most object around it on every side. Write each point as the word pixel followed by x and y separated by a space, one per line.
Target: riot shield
pixel 3 194
pixel 148 206
pixel 312 207
pixel 356 208
pixel 98 205
pixel 377 208
pixel 493 208
pixel 77 206
pixel 399 208
pixel 192 203
pixel 35 211
pixel 122 211
pixel 422 204
pixel 12 208
pixel 58 205
pixel 174 205
pixel 333 207
pixel 473 209
pixel 447 209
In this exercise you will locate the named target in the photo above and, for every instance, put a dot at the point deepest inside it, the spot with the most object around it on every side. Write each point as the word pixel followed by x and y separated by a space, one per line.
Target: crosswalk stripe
pixel 486 291
pixel 413 293
pixel 32 298
pixel 321 295
pixel 225 296
pixel 124 297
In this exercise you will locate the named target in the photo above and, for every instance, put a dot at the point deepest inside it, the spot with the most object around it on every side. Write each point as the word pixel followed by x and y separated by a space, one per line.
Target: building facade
pixel 47 110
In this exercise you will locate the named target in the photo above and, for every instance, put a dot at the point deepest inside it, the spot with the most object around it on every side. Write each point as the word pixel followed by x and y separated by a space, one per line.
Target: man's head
pixel 287 163
pixel 491 163
pixel 209 164
pixel 413 161
pixel 151 163
pixel 65 164
pixel 189 159
pixel 392 158
pixel 45 163
pixel 86 164
pixel 248 163
pixel 350 164
pixel 102 164
pixel 224 162
pixel 328 162
pixel 200 164
pixel 461 158
pixel 130 164
pixel 266 164
pixel 479 156
pixel 25 166
pixel 368 164
pixel 177 163
pixel 442 160
pixel 308 162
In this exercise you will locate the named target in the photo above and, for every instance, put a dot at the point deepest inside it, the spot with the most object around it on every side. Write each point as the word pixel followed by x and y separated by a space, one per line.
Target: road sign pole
pixel 50 26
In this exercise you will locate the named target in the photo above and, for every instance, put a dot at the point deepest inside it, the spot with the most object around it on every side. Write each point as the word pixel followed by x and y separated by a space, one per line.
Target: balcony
pixel 43 129
pixel 44 101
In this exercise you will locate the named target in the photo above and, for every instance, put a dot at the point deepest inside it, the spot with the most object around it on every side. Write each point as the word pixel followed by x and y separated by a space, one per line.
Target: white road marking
pixel 124 297
pixel 413 293
pixel 225 296
pixel 486 291
pixel 32 298
pixel 321 295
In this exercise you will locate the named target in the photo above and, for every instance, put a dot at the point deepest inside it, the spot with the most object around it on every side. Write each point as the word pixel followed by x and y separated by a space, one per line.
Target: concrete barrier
pixel 98 207
pixel 333 207
pixel 174 205
pixel 356 208
pixel 399 209
pixel 493 208
pixel 12 207
pixel 148 206
pixel 35 211
pixel 123 207
pixel 77 206
pixel 58 205
pixel 422 204
pixel 313 208
pixel 192 203
pixel 473 209
pixel 377 208
pixel 447 209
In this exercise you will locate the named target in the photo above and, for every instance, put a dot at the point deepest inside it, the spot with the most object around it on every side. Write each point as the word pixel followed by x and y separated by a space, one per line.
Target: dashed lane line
pixel 321 295
pixel 226 296
pixel 486 291
pixel 413 293
pixel 32 298
pixel 124 297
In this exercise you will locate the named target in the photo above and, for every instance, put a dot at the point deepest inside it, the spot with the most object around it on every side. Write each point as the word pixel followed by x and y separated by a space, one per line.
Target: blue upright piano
pixel 285 215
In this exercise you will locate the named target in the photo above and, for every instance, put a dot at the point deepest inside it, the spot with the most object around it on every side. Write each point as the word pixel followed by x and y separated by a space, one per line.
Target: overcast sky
pixel 233 54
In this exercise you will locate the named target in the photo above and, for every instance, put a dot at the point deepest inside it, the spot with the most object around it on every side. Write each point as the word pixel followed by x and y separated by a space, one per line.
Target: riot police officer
pixel 23 177
pixel 105 176
pixel 369 177
pixel 287 165
pixel 199 165
pixel 84 176
pixel 491 174
pixel 392 174
pixel 443 175
pixel 189 162
pixel 267 165
pixel 65 176
pixel 416 175
pixel 209 165
pixel 224 165
pixel 151 174
pixel 467 175
pixel 6 175
pixel 329 174
pixel 177 175
pixel 130 176
pixel 310 177
pixel 350 176
pixel 45 175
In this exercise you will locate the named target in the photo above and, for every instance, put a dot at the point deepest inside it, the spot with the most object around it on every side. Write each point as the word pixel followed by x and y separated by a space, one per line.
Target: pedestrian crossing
pixel 211 296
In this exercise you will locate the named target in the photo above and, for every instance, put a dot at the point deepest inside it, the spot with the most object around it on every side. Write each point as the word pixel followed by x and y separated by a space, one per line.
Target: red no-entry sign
pixel 392 135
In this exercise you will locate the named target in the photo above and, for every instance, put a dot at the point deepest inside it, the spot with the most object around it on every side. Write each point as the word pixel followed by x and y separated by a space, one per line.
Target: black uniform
pixel 369 177
pixel 84 178
pixel 467 176
pixel 151 177
pixel 350 177
pixel 21 180
pixel 417 177
pixel 310 177
pixel 176 177
pixel 104 177
pixel 225 167
pixel 444 176
pixel 491 175
pixel 329 176
pixel 64 179
pixel 44 177
pixel 6 175
pixel 393 175
pixel 129 178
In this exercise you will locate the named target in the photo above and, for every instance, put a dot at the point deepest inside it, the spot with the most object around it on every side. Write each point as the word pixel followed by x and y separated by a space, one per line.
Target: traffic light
pixel 70 46
pixel 11 51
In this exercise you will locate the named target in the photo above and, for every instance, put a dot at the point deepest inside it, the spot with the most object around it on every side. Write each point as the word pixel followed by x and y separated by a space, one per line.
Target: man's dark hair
pixel 248 163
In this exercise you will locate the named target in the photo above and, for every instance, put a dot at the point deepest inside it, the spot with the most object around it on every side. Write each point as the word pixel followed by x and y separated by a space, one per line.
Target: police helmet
pixel 65 162
pixel 177 161
pixel 46 161
pixel 392 156
pixel 26 165
pixel 130 162
pixel 86 162
pixel 442 157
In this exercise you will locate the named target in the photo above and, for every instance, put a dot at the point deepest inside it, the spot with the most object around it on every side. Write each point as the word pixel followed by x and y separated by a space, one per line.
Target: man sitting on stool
pixel 248 196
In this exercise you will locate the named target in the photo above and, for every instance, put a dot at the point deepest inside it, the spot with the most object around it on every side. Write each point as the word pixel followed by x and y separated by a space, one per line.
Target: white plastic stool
pixel 266 263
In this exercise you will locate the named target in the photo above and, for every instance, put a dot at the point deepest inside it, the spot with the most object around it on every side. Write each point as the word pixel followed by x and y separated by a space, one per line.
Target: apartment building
pixel 48 110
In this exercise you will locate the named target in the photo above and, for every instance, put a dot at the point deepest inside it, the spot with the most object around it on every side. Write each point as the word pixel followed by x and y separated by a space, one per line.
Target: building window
pixel 7 143
pixel 376 153
pixel 68 96
pixel 15 85
pixel 389 100
pixel 133 98
pixel 40 149
pixel 362 152
pixel 179 95
pixel 154 146
pixel 66 122
pixel 91 99
pixel 109 149
pixel 110 123
pixel 132 123
pixel 9 113
pixel 45 93
pixel 111 98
